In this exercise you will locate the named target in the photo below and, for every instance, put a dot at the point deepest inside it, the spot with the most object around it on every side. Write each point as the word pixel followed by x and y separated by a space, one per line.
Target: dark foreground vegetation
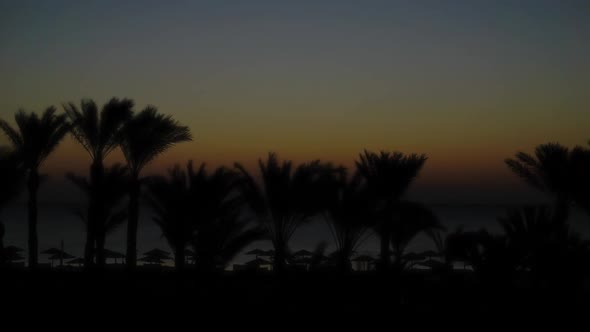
pixel 538 263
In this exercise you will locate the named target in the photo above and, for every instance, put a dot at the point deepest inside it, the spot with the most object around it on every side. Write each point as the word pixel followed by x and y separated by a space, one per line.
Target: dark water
pixel 58 222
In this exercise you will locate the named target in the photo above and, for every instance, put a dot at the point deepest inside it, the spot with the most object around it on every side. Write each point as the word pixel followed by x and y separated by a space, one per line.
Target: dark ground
pixel 164 294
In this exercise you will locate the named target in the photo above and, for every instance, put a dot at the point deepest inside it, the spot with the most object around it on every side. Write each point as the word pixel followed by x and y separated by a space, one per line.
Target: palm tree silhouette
pixel 549 170
pixel 410 219
pixel 580 157
pixel 492 256
pixel 387 176
pixel 33 142
pixel 11 176
pixel 99 135
pixel 349 219
pixel 113 189
pixel 287 198
pixel 543 240
pixel 145 136
pixel 170 200
pixel 222 230
pixel 204 210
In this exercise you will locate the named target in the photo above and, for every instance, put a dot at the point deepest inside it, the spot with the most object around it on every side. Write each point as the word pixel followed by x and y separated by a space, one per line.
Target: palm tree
pixel 144 137
pixel 387 176
pixel 10 181
pixel 287 198
pixel 580 157
pixel 411 219
pixel 170 200
pixel 222 230
pixel 349 219
pixel 33 142
pixel 543 241
pixel 99 135
pixel 549 170
pixel 113 190
pixel 201 209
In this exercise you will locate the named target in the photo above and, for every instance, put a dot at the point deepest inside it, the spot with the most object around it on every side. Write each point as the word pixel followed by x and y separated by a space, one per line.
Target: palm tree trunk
pixel 2 256
pixel 133 219
pixel 384 261
pixel 33 186
pixel 280 257
pixel 100 240
pixel 89 246
pixel 95 212
pixel 179 257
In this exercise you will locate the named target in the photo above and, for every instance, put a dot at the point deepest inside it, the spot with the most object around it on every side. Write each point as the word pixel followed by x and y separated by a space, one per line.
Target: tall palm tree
pixel 349 219
pixel 144 137
pixel 287 198
pixel 387 176
pixel 34 140
pixel 99 135
pixel 550 170
pixel 11 176
pixel 113 213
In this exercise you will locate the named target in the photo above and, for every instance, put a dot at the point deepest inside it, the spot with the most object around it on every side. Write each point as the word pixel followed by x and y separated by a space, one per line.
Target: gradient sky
pixel 466 82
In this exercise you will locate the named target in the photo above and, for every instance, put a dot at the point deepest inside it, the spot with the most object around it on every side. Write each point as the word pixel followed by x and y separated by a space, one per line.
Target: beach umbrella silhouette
pixel 158 253
pixel 76 261
pixel 303 253
pixel 60 256
pixel 256 252
pixel 412 257
pixel 151 260
pixel 364 261
pixel 51 251
pixel 268 253
pixel 258 262
pixel 13 249
pixel 431 263
pixel 110 254
pixel 429 254
pixel 155 256
pixel 12 254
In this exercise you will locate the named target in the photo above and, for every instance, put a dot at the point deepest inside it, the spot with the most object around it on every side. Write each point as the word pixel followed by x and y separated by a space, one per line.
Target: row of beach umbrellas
pixel 424 258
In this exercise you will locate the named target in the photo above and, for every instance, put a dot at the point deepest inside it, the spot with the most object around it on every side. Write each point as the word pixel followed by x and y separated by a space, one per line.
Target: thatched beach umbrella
pixel 60 256
pixel 268 253
pixel 256 252
pixel 51 251
pixel 12 254
pixel 158 253
pixel 364 261
pixel 429 254
pixel 110 254
pixel 432 264
pixel 155 256
pixel 412 257
pixel 303 253
pixel 151 260
pixel 258 263
pixel 76 261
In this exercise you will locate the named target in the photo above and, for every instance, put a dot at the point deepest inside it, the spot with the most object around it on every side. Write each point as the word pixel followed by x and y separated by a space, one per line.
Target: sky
pixel 468 83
